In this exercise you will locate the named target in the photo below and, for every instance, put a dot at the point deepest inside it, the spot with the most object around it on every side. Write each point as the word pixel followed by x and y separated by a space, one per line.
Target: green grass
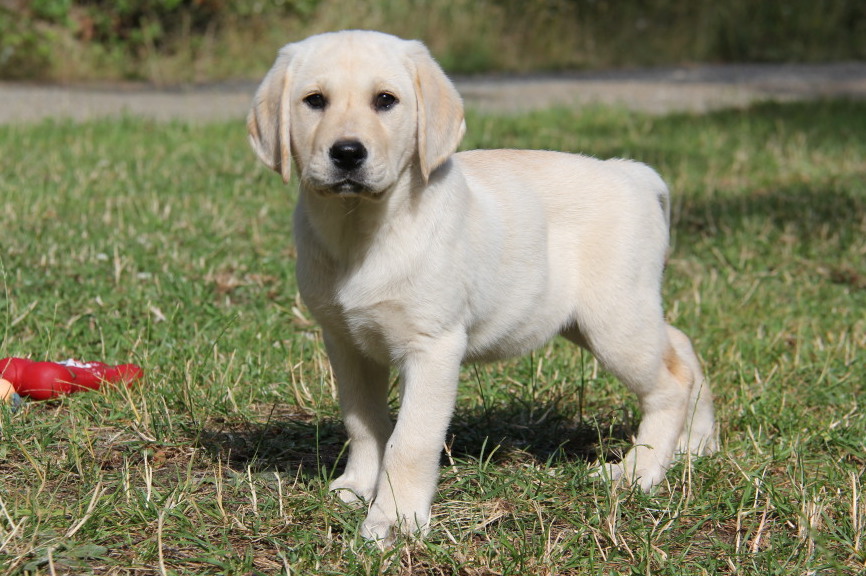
pixel 169 246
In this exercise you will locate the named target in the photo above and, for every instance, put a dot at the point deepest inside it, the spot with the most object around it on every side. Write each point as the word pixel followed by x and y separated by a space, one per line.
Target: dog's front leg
pixel 407 482
pixel 362 385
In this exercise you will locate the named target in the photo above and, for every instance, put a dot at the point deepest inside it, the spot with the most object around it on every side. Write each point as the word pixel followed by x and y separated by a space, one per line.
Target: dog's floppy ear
pixel 440 111
pixel 268 119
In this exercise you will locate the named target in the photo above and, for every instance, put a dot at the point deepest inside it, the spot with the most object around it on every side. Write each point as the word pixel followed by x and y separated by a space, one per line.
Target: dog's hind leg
pixel 655 361
pixel 699 434
pixel 362 386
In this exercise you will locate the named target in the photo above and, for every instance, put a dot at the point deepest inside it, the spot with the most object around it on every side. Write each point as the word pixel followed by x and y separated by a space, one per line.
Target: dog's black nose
pixel 347 154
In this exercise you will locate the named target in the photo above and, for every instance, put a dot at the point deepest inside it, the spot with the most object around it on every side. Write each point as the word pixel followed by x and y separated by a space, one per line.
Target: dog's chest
pixel 381 328
pixel 375 331
pixel 371 312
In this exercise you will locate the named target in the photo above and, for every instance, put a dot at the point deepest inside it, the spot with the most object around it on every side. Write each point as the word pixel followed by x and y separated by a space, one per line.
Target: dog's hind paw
pixel 700 437
pixel 645 472
pixel 698 443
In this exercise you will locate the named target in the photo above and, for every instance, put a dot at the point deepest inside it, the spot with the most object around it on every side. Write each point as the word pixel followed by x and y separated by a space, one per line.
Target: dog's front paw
pixel 351 491
pixel 379 528
pixel 382 527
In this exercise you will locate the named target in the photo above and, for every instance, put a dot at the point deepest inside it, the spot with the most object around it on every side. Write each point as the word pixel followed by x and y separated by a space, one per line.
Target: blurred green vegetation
pixel 200 40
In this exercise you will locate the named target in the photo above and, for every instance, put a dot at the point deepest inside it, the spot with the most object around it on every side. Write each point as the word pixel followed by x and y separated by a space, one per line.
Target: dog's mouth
pixel 347 188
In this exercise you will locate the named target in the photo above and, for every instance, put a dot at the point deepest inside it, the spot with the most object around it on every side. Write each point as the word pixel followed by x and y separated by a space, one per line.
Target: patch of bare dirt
pixel 691 89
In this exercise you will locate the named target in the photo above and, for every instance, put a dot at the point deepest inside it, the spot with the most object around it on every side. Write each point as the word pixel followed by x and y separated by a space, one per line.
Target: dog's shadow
pixel 307 447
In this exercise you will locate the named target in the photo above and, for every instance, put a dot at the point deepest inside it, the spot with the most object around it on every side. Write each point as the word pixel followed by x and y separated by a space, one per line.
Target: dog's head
pixel 355 110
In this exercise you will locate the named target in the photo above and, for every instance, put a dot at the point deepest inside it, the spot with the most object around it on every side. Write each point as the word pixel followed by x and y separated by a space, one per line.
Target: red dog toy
pixel 46 380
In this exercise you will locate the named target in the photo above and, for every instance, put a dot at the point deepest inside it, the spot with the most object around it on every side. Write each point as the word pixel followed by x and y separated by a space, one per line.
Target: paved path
pixel 694 89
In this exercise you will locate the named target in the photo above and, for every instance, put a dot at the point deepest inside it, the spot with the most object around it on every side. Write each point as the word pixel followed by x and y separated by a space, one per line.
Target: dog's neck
pixel 345 227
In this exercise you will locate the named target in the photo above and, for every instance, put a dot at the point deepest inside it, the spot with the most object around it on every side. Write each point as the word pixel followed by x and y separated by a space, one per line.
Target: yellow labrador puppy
pixel 413 256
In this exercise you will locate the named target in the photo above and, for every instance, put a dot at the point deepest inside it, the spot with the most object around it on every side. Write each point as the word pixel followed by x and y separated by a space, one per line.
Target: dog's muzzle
pixel 348 155
pixel 348 158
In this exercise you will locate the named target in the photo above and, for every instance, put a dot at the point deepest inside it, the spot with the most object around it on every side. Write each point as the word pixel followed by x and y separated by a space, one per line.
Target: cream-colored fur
pixel 416 257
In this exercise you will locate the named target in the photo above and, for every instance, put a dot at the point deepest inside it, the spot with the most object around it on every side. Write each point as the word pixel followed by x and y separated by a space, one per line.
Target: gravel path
pixel 693 89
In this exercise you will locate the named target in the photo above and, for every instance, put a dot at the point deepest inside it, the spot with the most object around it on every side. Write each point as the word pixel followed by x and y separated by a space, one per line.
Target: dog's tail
pixel 650 180
pixel 647 181
pixel 660 188
pixel 664 197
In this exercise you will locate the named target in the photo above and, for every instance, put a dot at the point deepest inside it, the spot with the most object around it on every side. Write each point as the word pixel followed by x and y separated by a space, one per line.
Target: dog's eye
pixel 315 101
pixel 384 101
